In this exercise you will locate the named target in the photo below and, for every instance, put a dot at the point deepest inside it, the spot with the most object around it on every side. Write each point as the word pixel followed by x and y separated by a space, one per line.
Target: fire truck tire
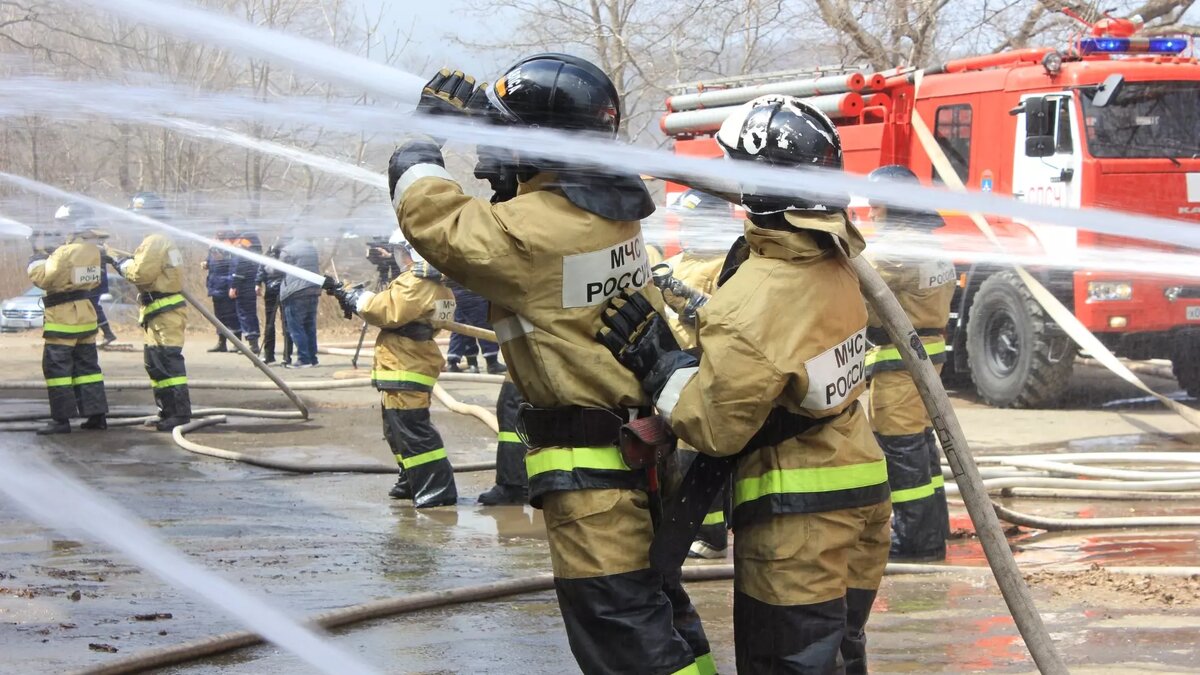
pixel 1014 362
pixel 1187 372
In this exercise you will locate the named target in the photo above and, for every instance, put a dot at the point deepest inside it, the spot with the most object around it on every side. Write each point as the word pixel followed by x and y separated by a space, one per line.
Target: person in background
pixel 243 279
pixel 925 289
pixel 219 265
pixel 74 216
pixel 66 265
pixel 472 311
pixel 405 370
pixel 299 300
pixel 269 282
pixel 155 268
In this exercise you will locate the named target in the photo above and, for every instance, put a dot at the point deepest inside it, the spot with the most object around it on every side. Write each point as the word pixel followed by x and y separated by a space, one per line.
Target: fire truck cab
pixel 1113 123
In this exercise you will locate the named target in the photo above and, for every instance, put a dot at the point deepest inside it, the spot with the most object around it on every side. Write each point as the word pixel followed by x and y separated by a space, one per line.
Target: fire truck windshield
pixel 1145 119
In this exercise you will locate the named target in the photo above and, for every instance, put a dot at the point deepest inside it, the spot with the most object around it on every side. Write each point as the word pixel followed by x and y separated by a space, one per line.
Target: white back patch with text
pixel 935 273
pixel 443 310
pixel 589 279
pixel 836 373
pixel 86 275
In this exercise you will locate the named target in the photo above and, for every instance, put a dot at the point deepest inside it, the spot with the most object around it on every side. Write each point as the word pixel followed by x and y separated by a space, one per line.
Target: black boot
pixel 170 423
pixel 452 366
pixel 220 345
pixel 55 427
pixel 504 495
pixel 401 489
pixel 95 423
pixel 494 367
pixel 109 336
pixel 254 346
pixel 472 365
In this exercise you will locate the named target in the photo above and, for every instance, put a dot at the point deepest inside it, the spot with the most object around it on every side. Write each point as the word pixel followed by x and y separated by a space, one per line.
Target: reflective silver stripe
pixel 670 393
pixel 511 328
pixel 363 299
pixel 415 173
pixel 34 264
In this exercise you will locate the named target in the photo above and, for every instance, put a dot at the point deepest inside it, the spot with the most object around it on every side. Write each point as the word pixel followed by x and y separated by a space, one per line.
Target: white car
pixel 22 312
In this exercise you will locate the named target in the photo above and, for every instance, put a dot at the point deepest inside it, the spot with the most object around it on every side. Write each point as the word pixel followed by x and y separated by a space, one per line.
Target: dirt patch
pixel 1100 587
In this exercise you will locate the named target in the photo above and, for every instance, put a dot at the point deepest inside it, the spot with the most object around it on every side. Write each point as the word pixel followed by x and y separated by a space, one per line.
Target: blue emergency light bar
pixel 1132 45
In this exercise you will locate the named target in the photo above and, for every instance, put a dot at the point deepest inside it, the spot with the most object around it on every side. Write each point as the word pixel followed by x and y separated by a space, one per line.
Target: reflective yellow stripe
pixel 912 494
pixel 714 518
pixel 169 382
pixel 88 379
pixel 819 479
pixel 893 354
pixel 938 482
pixel 705 665
pixel 58 382
pixel 68 328
pixel 508 437
pixel 161 303
pixel 403 376
pixel 569 459
pixel 423 458
pixel 691 669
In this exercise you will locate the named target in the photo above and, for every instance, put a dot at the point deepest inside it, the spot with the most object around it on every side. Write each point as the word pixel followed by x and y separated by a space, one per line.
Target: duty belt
pixel 414 330
pixel 879 335
pixel 148 297
pixel 56 299
pixel 573 426
pixel 154 303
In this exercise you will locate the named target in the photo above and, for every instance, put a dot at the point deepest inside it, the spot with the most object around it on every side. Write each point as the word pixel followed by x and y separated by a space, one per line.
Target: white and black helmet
pixel 782 131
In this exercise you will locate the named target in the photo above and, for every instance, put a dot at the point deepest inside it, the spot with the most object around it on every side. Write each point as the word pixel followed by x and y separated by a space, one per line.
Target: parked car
pixel 22 312
pixel 25 311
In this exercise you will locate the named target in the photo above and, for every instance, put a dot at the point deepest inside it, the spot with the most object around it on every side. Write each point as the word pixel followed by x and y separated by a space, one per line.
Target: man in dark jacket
pixel 220 266
pixel 299 299
pixel 243 280
pixel 271 280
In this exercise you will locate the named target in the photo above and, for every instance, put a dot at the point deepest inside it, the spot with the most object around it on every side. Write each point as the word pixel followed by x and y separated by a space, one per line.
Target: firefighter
pixel 66 265
pixel 547 260
pixel 777 388
pixel 920 517
pixel 698 265
pixel 77 216
pixel 407 363
pixel 155 269
pixel 243 282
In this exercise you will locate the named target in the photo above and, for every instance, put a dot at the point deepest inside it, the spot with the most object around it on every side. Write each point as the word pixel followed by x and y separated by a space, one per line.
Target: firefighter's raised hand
pixel 449 92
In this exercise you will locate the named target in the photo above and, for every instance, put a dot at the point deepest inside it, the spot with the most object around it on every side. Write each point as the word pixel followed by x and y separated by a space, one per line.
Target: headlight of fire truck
pixel 1104 291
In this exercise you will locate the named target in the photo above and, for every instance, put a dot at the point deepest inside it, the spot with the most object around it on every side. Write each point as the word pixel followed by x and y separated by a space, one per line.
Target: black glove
pixel 347 298
pixel 636 333
pixel 105 258
pixel 451 93
pixel 118 261
pixel 418 151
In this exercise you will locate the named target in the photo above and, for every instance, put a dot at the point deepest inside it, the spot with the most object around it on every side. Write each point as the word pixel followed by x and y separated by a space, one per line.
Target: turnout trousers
pixel 74 383
pixel 804 584
pixel 920 516
pixel 621 616
pixel 163 355
pixel 510 449
pixel 418 448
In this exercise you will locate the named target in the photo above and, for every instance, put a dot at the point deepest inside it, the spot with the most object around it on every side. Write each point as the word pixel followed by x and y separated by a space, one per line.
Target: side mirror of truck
pixel 1110 88
pixel 1039 125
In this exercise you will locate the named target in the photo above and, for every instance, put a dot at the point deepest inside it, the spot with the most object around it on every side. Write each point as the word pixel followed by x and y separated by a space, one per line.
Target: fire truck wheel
pixel 1015 361
pixel 1187 372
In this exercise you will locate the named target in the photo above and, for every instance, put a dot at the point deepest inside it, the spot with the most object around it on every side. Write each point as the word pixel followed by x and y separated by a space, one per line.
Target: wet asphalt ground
pixel 309 543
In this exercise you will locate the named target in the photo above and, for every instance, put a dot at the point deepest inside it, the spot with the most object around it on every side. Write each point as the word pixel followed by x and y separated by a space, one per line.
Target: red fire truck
pixel 1113 122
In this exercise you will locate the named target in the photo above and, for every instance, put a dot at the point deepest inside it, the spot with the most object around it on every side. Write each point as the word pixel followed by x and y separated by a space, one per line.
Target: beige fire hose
pixel 966 473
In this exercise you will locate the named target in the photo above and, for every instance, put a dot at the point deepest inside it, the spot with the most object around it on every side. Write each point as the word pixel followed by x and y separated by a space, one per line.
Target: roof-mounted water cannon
pixel 1114 35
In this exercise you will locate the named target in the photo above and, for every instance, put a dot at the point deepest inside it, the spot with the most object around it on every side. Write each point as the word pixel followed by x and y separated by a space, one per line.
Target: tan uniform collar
pixel 799 245
pixel 540 181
